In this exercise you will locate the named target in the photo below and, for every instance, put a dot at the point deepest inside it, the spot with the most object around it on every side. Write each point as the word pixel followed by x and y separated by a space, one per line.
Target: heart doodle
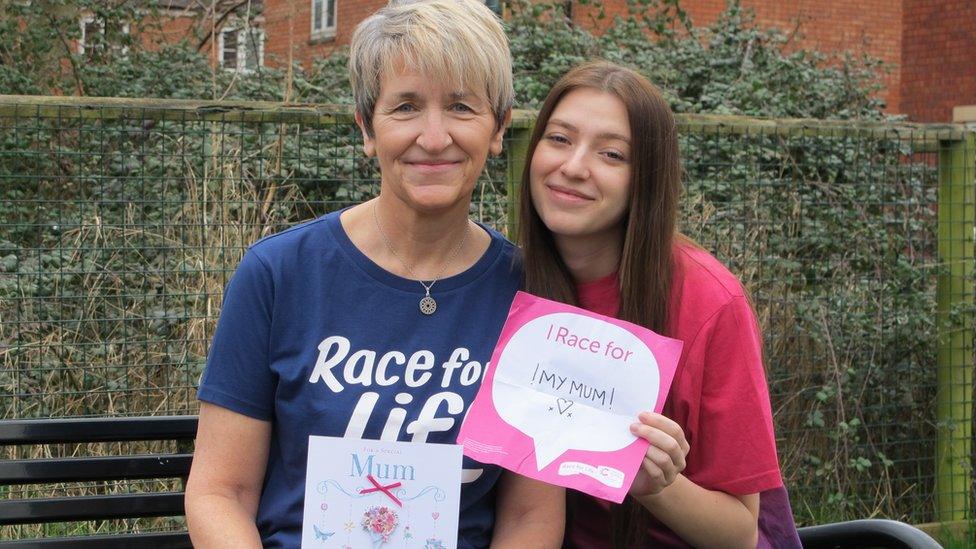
pixel 436 515
pixel 564 404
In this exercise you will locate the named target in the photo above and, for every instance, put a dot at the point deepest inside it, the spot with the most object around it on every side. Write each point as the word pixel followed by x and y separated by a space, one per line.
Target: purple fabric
pixel 776 527
pixel 590 528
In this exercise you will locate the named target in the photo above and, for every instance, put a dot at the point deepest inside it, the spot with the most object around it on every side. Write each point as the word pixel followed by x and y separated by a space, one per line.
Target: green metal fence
pixel 122 219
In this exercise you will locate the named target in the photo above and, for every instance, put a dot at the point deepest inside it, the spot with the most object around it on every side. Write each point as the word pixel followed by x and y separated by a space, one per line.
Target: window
pixel 242 49
pixel 93 41
pixel 324 18
pixel 89 28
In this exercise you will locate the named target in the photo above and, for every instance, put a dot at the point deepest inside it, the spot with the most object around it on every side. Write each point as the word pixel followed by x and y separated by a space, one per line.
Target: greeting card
pixel 373 494
pixel 562 389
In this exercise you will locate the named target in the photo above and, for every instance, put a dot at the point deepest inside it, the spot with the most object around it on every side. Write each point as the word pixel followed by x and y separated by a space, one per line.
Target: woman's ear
pixel 368 146
pixel 498 139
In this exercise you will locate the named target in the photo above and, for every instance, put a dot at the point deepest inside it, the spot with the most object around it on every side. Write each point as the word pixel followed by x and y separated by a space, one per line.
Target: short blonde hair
pixel 460 42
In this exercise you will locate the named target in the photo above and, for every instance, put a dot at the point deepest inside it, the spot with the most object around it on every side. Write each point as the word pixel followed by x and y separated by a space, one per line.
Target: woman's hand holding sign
pixel 665 457
pixel 698 515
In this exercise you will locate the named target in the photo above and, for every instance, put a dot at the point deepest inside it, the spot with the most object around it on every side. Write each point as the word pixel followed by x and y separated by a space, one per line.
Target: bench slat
pixel 160 540
pixel 104 429
pixel 35 511
pixel 39 471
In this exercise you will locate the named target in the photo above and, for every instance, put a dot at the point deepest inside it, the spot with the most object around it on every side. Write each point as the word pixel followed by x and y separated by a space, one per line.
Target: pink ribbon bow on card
pixel 380 488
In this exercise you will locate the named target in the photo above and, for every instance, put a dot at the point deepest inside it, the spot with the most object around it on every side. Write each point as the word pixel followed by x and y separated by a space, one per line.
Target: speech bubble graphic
pixel 573 382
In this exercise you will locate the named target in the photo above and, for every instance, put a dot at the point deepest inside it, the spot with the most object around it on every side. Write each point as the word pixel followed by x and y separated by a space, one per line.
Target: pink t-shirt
pixel 719 397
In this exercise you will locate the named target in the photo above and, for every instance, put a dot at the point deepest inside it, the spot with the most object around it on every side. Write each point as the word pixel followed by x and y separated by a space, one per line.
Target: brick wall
pixel 174 25
pixel 939 58
pixel 293 18
pixel 873 27
pixel 170 27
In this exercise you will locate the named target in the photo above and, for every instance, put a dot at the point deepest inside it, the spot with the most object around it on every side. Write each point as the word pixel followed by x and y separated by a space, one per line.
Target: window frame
pixel 324 31
pixel 241 53
pixel 90 19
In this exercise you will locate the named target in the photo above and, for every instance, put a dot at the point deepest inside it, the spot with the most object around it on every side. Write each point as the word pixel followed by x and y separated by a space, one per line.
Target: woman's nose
pixel 434 136
pixel 575 165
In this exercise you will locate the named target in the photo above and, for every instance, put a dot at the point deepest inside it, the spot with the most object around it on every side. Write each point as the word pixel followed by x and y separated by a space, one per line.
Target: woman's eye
pixel 557 138
pixel 405 107
pixel 614 155
pixel 461 107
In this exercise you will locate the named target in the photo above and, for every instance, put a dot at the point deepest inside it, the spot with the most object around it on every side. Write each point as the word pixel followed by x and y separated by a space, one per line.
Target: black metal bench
pixel 22 472
pixel 874 533
pixel 888 534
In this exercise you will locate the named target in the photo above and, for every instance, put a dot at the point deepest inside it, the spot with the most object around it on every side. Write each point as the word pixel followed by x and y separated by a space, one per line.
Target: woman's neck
pixel 414 244
pixel 418 236
pixel 590 257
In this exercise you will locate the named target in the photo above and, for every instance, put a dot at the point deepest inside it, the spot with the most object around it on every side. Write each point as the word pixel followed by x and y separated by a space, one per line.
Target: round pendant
pixel 428 305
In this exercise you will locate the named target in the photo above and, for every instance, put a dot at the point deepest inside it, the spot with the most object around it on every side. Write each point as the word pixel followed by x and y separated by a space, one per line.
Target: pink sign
pixel 562 389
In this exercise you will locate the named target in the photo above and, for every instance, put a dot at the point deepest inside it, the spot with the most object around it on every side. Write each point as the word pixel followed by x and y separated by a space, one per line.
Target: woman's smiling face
pixel 431 140
pixel 580 171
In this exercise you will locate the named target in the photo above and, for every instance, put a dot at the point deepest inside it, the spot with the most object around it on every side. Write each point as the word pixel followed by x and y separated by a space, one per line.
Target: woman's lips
pixel 433 167
pixel 570 196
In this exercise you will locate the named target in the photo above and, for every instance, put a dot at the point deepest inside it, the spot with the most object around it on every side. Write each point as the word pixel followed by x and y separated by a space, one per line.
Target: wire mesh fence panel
pixel 835 234
pixel 122 223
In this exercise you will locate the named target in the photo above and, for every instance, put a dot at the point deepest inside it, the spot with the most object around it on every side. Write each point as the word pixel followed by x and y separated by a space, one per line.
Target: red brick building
pixel 319 25
pixel 938 58
pixel 237 28
pixel 930 45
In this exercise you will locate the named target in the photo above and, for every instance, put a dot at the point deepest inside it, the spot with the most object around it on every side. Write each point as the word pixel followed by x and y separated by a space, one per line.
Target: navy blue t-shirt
pixel 319 340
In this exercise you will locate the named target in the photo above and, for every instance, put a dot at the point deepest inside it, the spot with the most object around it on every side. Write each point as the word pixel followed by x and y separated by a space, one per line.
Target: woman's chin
pixel 437 200
pixel 567 226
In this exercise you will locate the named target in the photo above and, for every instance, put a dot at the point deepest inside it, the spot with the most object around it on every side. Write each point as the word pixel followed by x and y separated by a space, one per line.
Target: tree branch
pixel 218 22
pixel 75 71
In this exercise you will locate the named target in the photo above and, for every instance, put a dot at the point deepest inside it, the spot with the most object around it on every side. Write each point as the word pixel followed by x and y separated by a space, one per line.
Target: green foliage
pixel 730 67
pixel 43 56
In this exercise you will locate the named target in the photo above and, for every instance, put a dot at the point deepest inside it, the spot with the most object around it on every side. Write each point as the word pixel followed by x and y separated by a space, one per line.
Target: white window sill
pixel 321 37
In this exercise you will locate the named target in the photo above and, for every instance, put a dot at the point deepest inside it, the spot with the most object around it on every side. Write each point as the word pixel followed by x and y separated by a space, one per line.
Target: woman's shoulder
pixel 287 241
pixel 702 287
pixel 508 253
pixel 498 236
pixel 698 270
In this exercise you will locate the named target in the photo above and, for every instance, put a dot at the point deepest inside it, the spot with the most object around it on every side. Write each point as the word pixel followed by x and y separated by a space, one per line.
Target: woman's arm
pixel 528 513
pixel 706 518
pixel 701 517
pixel 225 481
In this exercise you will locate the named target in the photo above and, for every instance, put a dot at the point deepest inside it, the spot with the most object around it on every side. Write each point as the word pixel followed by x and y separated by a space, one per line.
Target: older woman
pixel 375 322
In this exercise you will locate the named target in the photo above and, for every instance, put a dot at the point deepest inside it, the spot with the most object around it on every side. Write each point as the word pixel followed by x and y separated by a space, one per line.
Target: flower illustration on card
pixel 434 543
pixel 379 522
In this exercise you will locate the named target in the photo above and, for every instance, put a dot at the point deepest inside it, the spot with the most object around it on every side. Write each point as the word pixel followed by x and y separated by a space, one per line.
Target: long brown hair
pixel 645 269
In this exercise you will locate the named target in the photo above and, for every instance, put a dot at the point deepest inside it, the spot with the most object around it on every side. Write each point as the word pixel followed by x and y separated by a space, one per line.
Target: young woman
pixel 599 232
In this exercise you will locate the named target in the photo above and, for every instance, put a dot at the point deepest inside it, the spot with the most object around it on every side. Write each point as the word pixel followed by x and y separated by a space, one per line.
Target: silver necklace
pixel 427 303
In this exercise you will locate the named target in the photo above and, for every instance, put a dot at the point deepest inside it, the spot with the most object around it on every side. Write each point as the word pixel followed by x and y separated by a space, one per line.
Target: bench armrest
pixel 866 533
